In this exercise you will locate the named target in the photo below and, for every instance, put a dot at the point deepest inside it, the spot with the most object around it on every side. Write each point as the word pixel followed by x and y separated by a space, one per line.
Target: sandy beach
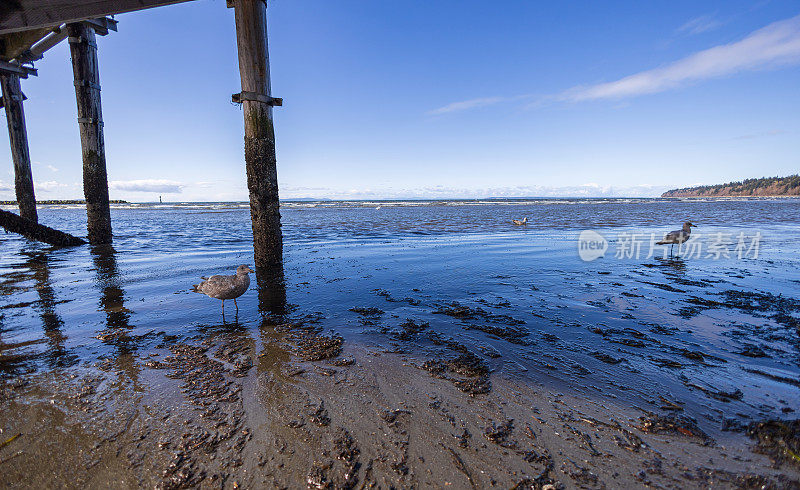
pixel 426 346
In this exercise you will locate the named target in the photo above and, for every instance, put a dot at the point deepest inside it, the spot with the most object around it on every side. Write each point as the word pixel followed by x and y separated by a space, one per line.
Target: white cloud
pixel 48 186
pixel 148 185
pixel 5 187
pixel 772 46
pixel 467 104
pixel 444 192
pixel 52 168
pixel 699 25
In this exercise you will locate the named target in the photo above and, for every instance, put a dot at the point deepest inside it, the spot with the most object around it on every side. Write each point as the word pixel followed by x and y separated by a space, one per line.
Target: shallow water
pixel 651 331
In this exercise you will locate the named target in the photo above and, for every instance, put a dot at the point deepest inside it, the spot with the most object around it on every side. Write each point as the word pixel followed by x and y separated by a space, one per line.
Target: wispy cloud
pixel 760 134
pixel 148 185
pixel 468 104
pixel 699 25
pixel 772 46
pixel 5 187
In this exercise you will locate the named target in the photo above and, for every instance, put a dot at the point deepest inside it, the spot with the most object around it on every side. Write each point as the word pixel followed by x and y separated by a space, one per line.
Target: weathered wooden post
pixel 259 149
pixel 18 134
pixel 83 48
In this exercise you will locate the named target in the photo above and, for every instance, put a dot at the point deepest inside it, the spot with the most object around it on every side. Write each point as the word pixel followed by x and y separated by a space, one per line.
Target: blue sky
pixel 436 99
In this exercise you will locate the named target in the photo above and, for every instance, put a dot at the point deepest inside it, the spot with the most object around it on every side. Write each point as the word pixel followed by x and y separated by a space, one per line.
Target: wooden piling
pixel 259 149
pixel 30 229
pixel 83 48
pixel 18 135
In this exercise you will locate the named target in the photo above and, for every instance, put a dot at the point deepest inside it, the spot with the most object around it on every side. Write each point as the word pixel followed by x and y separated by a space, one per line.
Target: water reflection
pixel 112 302
pixel 271 290
pixel 675 263
pixel 57 356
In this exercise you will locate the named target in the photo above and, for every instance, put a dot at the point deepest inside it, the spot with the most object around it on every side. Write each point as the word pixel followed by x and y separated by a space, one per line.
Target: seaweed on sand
pixel 472 371
pixel 462 312
pixel 409 329
pixel 308 343
pixel 673 424
pixel 778 439
pixel 514 335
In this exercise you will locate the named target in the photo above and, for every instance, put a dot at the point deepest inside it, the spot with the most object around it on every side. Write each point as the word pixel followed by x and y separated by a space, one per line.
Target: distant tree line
pixel 767 186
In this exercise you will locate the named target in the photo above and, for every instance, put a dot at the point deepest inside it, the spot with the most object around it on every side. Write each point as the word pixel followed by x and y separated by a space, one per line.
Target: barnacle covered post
pixel 259 149
pixel 18 135
pixel 83 48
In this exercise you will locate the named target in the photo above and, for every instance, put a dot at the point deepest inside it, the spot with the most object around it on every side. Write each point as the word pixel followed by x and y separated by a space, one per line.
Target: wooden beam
pixel 30 229
pixel 22 15
pixel 259 151
pixel 16 43
pixel 20 71
pixel 83 47
pixel 20 153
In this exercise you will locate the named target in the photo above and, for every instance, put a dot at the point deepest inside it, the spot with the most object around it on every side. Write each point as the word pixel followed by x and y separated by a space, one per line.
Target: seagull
pixel 677 236
pixel 519 222
pixel 226 287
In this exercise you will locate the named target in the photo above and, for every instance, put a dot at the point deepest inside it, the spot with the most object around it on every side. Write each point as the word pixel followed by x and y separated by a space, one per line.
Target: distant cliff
pixel 768 186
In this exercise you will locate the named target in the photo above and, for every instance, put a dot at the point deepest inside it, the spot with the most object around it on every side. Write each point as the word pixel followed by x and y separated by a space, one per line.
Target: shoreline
pixel 464 357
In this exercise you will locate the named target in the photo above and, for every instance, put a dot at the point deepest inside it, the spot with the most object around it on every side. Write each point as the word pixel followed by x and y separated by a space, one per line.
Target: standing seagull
pixel 226 287
pixel 677 236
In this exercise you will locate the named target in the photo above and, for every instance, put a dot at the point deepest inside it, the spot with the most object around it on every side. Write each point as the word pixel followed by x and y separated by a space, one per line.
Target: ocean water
pixel 714 329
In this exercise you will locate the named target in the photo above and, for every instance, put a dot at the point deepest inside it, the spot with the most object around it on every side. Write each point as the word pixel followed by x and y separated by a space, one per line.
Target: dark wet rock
pixel 672 424
pixel 778 439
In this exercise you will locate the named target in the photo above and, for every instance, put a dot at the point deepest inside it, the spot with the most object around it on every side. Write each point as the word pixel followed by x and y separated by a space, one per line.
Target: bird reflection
pixel 676 264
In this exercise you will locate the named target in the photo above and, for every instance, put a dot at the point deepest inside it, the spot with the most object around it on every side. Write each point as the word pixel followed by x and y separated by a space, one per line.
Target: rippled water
pixel 634 329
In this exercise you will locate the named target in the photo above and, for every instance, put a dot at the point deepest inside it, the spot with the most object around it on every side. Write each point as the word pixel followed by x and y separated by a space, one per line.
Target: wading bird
pixel 677 236
pixel 226 287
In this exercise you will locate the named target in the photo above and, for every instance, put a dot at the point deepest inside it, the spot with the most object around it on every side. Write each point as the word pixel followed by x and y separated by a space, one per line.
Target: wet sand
pixel 201 416
pixel 462 360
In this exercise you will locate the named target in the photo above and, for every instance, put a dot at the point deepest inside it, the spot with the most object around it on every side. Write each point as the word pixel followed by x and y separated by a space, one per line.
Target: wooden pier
pixel 28 28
